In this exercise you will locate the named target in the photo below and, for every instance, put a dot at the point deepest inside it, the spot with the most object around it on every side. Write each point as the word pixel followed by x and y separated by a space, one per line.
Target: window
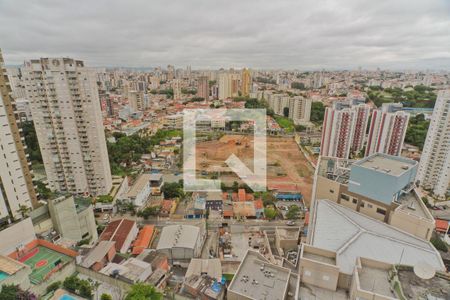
pixel 355 201
pixel 345 197
pixel 381 211
pixel 332 191
pixel 362 204
pixel 369 205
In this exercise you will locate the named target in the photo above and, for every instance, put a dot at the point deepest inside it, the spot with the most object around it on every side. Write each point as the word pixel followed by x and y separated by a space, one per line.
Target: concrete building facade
pixel 66 111
pixel 434 167
pixel 387 130
pixel 380 186
pixel 16 185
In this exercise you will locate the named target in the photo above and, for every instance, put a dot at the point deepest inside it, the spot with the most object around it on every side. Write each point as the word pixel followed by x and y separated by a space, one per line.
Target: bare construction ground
pixel 286 165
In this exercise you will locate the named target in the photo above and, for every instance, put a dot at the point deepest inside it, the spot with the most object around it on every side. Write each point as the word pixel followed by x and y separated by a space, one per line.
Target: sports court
pixel 43 262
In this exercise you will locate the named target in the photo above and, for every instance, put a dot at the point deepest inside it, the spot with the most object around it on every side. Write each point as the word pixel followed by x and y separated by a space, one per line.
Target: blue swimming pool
pixel 3 276
pixel 66 297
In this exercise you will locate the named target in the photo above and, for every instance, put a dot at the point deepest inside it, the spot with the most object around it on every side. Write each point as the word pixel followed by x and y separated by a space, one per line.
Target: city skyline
pixel 281 35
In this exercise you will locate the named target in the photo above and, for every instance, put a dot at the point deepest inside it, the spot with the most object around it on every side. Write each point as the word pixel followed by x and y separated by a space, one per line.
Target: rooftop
pixel 9 265
pixel 258 279
pixel 97 253
pixel 375 280
pixel 310 292
pixel 437 287
pixel 351 235
pixel 211 267
pixel 412 204
pixel 178 236
pixel 139 184
pixel 388 164
pixel 117 231
pixel 286 233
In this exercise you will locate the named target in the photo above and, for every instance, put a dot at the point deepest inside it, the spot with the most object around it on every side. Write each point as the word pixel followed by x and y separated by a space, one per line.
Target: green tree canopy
pixel 141 291
pixel 317 112
pixel 270 213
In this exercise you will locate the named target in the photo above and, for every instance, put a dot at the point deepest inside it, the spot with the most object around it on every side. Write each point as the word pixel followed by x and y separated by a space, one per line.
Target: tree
pixel 293 212
pixel 172 190
pixel 141 291
pixel 267 197
pixel 85 289
pixel 9 292
pixel 30 138
pixel 439 244
pixel 71 283
pixel 317 112
pixel 149 211
pixel 23 210
pixel 105 297
pixel 298 85
pixel 417 131
pixel 270 213
pixel 54 286
pixel 44 192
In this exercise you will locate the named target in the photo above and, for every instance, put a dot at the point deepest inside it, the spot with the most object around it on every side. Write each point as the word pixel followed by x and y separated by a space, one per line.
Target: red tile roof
pixel 166 205
pixel 228 213
pixel 143 239
pixel 441 225
pixel 117 231
pixel 259 204
pixel 241 195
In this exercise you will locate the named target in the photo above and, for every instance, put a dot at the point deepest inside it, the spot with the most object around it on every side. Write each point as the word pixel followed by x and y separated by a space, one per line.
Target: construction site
pixel 287 167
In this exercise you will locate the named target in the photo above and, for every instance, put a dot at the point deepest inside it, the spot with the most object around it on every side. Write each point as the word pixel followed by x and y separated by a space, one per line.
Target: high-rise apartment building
pixel 224 86
pixel 387 130
pixel 203 87
pixel 136 100
pixel 66 111
pixel 246 83
pixel 299 109
pixel 337 131
pixel 176 86
pixel 359 133
pixel 16 185
pixel 434 167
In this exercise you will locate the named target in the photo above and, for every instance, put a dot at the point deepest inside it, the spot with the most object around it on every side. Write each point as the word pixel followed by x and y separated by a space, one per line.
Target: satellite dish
pixel 424 270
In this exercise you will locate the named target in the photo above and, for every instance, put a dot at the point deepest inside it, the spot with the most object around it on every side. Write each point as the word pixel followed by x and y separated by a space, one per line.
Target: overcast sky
pixel 287 34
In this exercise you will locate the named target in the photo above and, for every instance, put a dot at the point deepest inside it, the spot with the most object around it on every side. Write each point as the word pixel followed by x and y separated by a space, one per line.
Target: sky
pixel 210 34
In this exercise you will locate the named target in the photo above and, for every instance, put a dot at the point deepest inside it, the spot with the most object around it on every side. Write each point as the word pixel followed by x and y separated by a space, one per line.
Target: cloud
pixel 288 34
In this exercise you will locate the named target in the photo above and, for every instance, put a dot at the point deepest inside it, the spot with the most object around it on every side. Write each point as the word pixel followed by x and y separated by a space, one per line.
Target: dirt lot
pixel 286 165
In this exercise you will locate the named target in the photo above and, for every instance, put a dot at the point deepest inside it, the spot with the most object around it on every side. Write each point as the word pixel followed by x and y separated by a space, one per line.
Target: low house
pixel 139 192
pixel 156 183
pixel 244 209
pixel 212 200
pixel 166 208
pixel 259 208
pixel 122 231
pixel 99 256
pixel 131 270
pixel 143 239
pixel 14 272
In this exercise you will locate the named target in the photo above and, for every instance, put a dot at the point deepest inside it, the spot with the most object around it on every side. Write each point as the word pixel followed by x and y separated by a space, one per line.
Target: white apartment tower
pixel 337 131
pixel 387 130
pixel 16 185
pixel 299 109
pixel 434 167
pixel 136 100
pixel 66 111
pixel 176 86
pixel 225 86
